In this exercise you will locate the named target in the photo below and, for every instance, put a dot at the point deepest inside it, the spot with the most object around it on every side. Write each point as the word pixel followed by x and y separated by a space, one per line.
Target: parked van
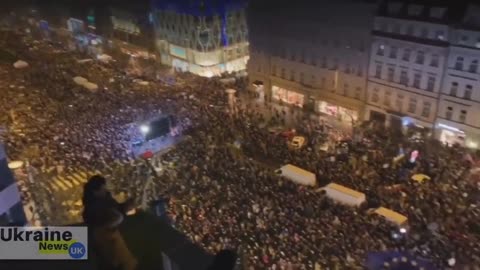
pixel 298 175
pixel 344 195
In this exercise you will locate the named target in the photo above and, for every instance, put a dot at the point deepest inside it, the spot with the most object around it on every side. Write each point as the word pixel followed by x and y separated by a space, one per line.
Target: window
pixel 416 80
pixel 386 99
pixel 390 74
pixel 426 109
pixel 412 105
pixel 396 29
pixel 301 77
pixel 463 116
pixel 454 89
pixel 420 58
pixel 459 63
pixel 404 77
pixel 381 50
pixel 378 71
pixel 393 52
pixel 375 97
pixel 473 66
pixel 335 64
pixel 434 60
pixel 424 33
pixel 410 30
pixel 322 83
pixel 449 113
pixel 347 69
pixel 406 54
pixel 440 35
pixel 283 73
pixel 431 83
pixel 345 89
pixel 313 80
pixel 399 103
pixel 292 75
pixel 468 92
pixel 358 93
pixel 360 71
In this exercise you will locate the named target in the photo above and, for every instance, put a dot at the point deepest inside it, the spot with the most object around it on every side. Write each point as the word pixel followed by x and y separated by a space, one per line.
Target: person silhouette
pixel 103 215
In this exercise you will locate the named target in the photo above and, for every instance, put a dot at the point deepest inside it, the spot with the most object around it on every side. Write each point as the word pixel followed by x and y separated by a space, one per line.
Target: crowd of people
pixel 223 189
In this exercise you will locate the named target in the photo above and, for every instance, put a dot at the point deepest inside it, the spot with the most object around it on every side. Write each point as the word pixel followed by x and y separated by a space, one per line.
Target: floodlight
pixel 144 129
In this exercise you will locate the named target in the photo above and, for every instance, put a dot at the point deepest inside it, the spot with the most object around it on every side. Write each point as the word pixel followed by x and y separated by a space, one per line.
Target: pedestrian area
pixel 67 182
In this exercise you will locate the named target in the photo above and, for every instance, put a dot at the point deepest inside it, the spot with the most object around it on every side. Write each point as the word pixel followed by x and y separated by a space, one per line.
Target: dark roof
pixel 450 11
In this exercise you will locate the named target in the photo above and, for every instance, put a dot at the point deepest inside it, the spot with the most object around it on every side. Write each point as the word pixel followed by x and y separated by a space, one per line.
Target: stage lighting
pixel 144 129
pixel 403 230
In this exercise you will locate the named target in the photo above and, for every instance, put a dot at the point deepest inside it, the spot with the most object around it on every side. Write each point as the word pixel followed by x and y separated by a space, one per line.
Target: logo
pixel 43 243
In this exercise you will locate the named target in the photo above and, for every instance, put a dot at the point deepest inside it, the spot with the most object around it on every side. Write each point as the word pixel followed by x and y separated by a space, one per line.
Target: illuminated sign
pixel 450 128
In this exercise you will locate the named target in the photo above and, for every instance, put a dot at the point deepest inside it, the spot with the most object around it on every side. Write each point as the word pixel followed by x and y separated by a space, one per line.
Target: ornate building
pixel 206 38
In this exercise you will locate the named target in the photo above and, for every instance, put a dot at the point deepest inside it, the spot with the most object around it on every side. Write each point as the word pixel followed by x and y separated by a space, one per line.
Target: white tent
pixel 20 64
pixel 80 80
pixel 15 165
pixel 90 86
pixel 104 57
pixel 144 83
pixel 84 61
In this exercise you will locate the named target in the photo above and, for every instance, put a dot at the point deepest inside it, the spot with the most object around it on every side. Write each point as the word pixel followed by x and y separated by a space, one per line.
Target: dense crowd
pixel 225 196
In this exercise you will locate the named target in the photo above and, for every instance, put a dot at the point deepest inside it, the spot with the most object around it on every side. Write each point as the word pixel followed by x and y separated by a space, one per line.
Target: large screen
pixel 158 128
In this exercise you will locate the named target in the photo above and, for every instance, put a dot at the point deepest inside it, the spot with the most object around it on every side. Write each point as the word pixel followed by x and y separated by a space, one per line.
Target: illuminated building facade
pixel 11 206
pixel 312 55
pixel 407 61
pixel 206 38
pixel 458 114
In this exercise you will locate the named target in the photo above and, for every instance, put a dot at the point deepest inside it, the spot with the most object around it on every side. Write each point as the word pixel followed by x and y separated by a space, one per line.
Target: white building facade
pixel 408 56
pixel 317 60
pixel 459 105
